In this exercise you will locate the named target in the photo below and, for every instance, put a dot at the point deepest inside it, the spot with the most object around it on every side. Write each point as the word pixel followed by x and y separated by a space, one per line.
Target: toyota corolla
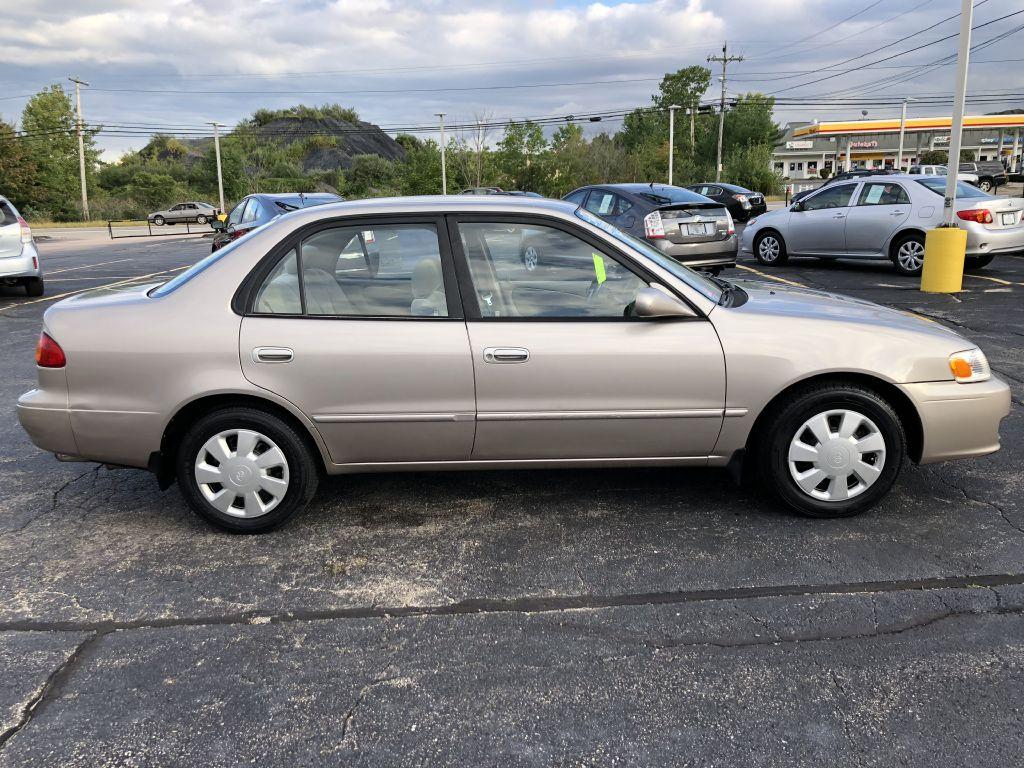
pixel 406 334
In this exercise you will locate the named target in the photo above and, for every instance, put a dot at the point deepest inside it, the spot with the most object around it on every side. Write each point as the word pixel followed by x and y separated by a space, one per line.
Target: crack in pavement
pixel 527 605
pixel 1002 512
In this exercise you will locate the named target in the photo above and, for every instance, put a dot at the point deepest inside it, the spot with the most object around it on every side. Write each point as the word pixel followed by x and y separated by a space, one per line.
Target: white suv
pixel 941 170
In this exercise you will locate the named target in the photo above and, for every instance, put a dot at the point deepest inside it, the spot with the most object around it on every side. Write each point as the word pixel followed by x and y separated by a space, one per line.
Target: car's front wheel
pixel 158 221
pixel 908 254
pixel 832 450
pixel 770 249
pixel 985 185
pixel 245 470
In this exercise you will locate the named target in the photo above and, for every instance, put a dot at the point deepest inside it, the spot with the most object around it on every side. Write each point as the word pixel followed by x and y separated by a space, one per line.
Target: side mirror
pixel 218 224
pixel 797 206
pixel 652 302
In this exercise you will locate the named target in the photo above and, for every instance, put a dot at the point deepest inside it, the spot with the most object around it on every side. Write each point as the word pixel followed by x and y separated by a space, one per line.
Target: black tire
pixel 34 286
pixel 782 425
pixel 914 243
pixel 302 467
pixel 978 262
pixel 158 221
pixel 200 219
pixel 985 185
pixel 531 255
pixel 767 258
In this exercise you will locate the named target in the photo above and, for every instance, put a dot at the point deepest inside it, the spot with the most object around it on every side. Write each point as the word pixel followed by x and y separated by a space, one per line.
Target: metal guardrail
pixel 190 228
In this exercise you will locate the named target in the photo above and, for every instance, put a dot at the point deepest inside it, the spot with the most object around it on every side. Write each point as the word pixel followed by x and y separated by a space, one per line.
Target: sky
pixel 173 65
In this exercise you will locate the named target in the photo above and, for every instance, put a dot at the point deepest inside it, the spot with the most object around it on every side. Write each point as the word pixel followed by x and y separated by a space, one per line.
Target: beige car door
pixel 360 326
pixel 561 372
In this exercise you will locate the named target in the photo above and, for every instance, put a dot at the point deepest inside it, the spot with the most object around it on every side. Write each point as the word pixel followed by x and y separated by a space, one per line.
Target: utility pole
pixel 216 151
pixel 725 59
pixel 959 96
pixel 693 131
pixel 903 128
pixel 444 170
pixel 81 143
pixel 671 139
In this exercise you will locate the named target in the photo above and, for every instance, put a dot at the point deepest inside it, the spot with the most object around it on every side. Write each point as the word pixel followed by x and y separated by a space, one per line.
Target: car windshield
pixel 668 195
pixel 937 184
pixel 700 283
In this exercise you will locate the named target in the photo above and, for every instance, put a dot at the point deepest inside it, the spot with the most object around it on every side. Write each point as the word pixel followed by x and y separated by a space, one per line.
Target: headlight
pixel 969 365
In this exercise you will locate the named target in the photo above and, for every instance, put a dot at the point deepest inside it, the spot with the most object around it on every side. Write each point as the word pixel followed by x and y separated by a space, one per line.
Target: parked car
pixel 498 191
pixel 284 356
pixel 990 173
pixel 885 217
pixel 742 203
pixel 184 213
pixel 256 210
pixel 19 259
pixel 855 173
pixel 941 170
pixel 688 227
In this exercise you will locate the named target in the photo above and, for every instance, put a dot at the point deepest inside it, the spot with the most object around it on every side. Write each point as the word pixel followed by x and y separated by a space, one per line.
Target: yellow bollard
pixel 944 249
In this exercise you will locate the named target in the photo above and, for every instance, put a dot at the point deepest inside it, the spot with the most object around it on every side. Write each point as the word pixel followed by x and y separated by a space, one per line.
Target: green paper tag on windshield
pixel 599 272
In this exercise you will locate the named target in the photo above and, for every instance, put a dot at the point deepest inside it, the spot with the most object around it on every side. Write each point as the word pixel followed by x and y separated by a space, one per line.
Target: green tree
pixel 371 176
pixel 941 156
pixel 421 171
pixel 17 170
pixel 751 167
pixel 520 156
pixel 48 121
pixel 153 190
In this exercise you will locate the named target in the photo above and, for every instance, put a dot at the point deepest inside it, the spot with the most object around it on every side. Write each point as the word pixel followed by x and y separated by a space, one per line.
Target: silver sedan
pixel 405 334
pixel 885 218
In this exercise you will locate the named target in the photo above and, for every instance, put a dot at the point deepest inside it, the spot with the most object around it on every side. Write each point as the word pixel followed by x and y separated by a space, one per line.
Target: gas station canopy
pixel 913 125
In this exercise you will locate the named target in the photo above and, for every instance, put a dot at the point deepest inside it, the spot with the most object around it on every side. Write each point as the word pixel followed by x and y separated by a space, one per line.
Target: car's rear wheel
pixel 908 254
pixel 832 450
pixel 770 249
pixel 34 286
pixel 978 262
pixel 985 185
pixel 158 221
pixel 200 219
pixel 245 470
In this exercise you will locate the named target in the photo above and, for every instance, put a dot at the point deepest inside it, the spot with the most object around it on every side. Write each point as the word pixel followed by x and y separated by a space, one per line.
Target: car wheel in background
pixel 978 262
pixel 245 470
pixel 34 286
pixel 832 450
pixel 770 249
pixel 985 185
pixel 908 254
pixel 200 219
pixel 531 256
pixel 158 220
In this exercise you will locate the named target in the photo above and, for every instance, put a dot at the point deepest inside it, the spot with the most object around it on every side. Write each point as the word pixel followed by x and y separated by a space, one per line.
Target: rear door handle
pixel 272 355
pixel 839 216
pixel 896 213
pixel 506 355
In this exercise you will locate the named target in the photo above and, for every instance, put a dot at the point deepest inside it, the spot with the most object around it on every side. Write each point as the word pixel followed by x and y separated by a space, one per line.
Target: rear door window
pixel 883 193
pixel 601 202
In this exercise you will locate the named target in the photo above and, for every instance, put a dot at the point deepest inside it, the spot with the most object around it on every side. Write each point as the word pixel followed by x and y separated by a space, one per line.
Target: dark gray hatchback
pixel 688 227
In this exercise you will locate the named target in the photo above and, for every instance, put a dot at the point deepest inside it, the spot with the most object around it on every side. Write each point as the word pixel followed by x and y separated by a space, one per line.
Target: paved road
pixel 607 617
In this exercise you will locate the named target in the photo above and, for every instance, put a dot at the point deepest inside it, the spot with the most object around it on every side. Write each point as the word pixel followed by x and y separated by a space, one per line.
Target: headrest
pixel 426 277
pixel 320 254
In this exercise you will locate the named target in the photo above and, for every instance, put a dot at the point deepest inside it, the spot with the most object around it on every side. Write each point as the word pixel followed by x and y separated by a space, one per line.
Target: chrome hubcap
pixel 242 473
pixel 836 455
pixel 768 250
pixel 531 258
pixel 911 255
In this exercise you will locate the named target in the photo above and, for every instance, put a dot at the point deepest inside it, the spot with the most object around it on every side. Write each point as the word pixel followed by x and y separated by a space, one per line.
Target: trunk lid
pixel 695 222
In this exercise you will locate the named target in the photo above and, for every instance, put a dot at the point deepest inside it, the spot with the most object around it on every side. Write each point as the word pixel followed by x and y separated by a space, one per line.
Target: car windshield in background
pixel 669 195
pixel 937 184
pixel 695 280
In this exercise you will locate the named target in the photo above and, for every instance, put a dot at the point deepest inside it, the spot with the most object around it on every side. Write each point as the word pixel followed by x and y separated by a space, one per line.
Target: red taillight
pixel 238 233
pixel 977 215
pixel 26 233
pixel 654 227
pixel 48 353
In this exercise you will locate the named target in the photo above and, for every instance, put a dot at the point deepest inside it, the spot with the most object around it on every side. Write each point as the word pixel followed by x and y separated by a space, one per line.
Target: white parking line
pixel 771 277
pixel 85 266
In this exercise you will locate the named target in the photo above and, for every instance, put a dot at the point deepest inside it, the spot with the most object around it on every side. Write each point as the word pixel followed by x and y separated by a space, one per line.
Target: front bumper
pixel 716 253
pixel 959 420
pixel 25 265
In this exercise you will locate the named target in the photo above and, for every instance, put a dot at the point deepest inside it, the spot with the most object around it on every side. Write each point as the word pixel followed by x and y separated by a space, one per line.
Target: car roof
pixel 635 186
pixel 512 204
pixel 291 195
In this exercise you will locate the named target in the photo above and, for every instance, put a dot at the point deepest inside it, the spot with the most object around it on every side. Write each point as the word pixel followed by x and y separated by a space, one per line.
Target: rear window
pixel 937 184
pixel 670 195
pixel 7 214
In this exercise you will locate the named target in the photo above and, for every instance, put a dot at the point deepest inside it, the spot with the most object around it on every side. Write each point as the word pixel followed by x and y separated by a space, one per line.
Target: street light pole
pixel 444 170
pixel 671 139
pixel 959 97
pixel 81 143
pixel 903 128
pixel 216 150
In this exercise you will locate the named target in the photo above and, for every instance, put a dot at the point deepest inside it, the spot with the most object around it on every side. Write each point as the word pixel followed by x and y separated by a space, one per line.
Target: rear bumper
pixel 712 254
pixel 43 414
pixel 25 265
pixel 959 420
pixel 981 241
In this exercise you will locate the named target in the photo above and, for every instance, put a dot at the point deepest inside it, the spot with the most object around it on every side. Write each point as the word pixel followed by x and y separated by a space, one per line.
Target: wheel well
pixel 899 236
pixel 892 394
pixel 162 462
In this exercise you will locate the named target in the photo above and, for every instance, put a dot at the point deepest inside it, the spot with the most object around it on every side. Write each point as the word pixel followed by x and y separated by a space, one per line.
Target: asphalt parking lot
pixel 606 617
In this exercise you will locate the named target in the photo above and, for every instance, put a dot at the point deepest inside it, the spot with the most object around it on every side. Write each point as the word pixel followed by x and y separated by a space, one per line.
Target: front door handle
pixel 506 355
pixel 897 213
pixel 839 216
pixel 272 355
